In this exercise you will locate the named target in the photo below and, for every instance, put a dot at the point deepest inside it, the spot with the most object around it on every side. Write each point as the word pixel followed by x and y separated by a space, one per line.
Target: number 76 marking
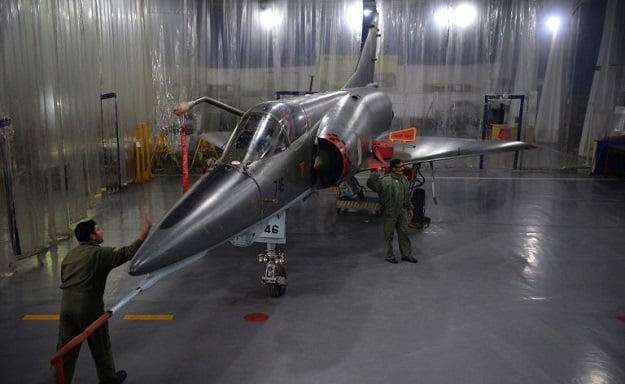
pixel 279 185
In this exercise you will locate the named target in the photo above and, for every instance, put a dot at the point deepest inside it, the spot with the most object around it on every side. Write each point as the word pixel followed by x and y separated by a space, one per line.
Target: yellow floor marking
pixel 135 316
pixel 163 317
pixel 53 316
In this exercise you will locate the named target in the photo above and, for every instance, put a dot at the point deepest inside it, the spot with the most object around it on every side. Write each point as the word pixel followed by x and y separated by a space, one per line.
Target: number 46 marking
pixel 272 229
pixel 275 228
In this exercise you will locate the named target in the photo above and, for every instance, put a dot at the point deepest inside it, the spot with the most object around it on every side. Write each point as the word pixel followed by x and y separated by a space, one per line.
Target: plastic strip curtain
pixel 441 58
pixel 57 58
pixel 608 87
pixel 554 89
pixel 45 91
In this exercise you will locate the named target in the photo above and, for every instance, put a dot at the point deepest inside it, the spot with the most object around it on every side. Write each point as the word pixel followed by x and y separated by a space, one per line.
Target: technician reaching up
pixel 83 278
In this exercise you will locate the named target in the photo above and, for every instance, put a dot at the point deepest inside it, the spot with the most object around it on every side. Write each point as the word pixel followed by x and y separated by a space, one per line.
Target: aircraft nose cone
pixel 220 205
pixel 156 253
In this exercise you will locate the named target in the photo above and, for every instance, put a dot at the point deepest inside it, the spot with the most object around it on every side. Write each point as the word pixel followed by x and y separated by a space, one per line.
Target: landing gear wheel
pixel 278 288
pixel 274 278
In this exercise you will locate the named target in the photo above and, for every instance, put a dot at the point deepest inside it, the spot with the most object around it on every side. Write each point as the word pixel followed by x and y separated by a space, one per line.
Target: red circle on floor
pixel 256 317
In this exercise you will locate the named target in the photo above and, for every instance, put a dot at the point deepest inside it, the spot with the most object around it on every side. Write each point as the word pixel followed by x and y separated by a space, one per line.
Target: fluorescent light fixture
pixel 442 17
pixel 553 23
pixel 354 16
pixel 464 15
pixel 270 18
pixel 461 16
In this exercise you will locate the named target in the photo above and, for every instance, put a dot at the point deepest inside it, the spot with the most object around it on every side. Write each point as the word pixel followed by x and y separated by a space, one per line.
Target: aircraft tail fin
pixel 368 56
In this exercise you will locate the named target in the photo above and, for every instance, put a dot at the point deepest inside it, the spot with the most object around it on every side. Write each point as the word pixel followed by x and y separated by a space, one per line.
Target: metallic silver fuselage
pixel 234 196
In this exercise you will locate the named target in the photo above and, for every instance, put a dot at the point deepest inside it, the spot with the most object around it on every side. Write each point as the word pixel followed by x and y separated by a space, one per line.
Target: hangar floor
pixel 520 280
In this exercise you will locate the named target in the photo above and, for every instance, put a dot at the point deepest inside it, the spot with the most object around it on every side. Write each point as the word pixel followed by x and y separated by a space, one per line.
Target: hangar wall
pixel 59 57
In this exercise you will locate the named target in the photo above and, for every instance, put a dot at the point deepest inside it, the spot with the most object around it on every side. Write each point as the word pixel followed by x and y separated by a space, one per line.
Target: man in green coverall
pixel 394 192
pixel 83 279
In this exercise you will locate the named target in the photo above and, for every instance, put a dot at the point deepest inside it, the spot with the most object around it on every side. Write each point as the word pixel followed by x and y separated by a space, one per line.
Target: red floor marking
pixel 256 317
pixel 622 318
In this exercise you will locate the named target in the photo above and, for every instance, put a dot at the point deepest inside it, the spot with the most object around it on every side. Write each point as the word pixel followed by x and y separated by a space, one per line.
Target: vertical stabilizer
pixel 366 63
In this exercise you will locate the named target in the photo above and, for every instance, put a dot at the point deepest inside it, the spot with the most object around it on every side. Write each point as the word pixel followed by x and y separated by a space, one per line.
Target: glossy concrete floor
pixel 521 279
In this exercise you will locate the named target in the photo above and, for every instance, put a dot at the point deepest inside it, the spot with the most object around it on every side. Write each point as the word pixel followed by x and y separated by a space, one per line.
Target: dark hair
pixel 394 163
pixel 84 229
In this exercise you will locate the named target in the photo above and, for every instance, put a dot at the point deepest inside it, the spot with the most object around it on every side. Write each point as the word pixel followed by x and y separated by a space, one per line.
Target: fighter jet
pixel 280 152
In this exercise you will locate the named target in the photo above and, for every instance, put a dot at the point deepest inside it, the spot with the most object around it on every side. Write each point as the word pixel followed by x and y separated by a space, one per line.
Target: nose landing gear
pixel 275 273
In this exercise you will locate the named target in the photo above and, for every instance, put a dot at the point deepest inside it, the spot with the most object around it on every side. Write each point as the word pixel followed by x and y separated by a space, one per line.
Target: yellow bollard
pixel 143 168
pixel 147 166
pixel 138 155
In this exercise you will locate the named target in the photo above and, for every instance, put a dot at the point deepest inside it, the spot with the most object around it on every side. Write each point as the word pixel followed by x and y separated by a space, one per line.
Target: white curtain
pixel 554 91
pixel 608 86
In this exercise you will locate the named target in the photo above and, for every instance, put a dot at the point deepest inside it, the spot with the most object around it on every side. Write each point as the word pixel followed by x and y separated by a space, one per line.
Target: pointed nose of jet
pixel 156 253
pixel 220 205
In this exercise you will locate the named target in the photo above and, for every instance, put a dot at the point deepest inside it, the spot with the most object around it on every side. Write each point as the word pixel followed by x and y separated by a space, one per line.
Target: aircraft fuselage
pixel 278 152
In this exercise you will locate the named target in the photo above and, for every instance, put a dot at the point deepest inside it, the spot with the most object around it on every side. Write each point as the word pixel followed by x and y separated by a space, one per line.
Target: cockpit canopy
pixel 262 131
pixel 257 136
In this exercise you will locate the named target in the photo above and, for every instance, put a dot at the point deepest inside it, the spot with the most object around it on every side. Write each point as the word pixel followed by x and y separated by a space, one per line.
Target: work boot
pixel 410 259
pixel 415 225
pixel 391 260
pixel 120 376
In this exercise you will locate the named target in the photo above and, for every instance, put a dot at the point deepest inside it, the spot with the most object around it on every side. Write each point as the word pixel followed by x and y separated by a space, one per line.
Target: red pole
pixel 57 359
pixel 185 156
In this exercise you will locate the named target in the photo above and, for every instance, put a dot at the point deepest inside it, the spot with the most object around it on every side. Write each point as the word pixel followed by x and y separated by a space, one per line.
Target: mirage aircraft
pixel 279 153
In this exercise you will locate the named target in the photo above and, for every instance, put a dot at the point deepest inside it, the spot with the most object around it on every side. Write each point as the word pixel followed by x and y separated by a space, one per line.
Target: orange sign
pixel 405 135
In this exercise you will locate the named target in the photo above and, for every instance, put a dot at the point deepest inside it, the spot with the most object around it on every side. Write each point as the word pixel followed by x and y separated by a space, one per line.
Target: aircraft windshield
pixel 257 136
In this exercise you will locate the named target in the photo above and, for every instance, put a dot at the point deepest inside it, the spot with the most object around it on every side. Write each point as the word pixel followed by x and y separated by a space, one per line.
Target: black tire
pixel 277 290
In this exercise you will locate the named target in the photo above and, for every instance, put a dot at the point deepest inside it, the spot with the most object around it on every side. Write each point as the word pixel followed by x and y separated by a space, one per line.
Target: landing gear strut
pixel 275 273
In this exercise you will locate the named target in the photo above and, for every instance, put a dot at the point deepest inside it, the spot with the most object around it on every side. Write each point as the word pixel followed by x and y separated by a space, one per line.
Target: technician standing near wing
pixel 83 279
pixel 394 192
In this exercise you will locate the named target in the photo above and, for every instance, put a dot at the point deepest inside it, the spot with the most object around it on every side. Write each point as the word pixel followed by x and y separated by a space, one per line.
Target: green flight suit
pixel 394 192
pixel 83 279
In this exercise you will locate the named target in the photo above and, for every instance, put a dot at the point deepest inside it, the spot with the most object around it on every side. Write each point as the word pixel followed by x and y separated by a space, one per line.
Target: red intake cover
pixel 382 150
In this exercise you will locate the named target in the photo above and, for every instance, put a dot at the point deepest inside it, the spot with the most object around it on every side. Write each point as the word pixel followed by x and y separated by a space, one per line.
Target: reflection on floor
pixel 519 280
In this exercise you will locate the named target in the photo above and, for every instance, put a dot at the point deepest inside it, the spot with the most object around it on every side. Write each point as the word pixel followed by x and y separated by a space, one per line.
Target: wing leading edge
pixel 426 148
